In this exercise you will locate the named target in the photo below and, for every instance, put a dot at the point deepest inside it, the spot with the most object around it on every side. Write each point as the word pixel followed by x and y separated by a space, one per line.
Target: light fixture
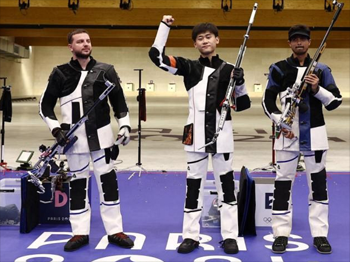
pixel 278 5
pixel 73 5
pixel 329 5
pixel 125 4
pixel 225 7
pixel 24 5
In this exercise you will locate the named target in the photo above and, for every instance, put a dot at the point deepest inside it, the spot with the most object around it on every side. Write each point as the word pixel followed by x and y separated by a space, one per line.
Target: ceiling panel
pixel 47 22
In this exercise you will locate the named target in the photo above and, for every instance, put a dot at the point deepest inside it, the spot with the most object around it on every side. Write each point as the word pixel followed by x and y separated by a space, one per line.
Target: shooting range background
pixel 155 200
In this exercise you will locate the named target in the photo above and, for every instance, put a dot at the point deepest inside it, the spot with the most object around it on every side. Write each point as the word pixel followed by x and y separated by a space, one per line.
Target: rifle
pixel 297 90
pixel 46 159
pixel 232 84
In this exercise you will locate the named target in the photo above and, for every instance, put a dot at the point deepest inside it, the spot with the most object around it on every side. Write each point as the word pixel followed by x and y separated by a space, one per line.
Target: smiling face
pixel 81 46
pixel 206 43
pixel 299 44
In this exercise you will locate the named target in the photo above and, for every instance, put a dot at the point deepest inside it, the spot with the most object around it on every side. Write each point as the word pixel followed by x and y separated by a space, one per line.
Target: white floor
pixel 161 148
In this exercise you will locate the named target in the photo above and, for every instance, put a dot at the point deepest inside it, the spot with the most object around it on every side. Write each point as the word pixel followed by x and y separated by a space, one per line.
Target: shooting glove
pixel 60 136
pixel 123 136
pixel 238 75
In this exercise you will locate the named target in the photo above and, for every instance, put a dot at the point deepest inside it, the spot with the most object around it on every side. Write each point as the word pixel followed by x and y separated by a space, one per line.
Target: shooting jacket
pixel 206 83
pixel 77 91
pixel 309 126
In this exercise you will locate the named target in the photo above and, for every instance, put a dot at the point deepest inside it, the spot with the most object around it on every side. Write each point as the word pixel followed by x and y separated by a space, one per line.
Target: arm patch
pixel 172 61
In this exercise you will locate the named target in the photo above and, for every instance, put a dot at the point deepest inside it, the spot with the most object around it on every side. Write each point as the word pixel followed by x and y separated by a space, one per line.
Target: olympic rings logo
pixel 267 219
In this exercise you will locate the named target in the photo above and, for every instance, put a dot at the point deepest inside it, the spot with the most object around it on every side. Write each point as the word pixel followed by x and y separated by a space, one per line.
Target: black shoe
pixel 279 245
pixel 187 246
pixel 76 242
pixel 230 246
pixel 120 239
pixel 322 245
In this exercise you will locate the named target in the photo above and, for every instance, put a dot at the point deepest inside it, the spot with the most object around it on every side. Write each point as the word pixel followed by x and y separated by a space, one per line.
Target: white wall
pixel 20 74
pixel 30 76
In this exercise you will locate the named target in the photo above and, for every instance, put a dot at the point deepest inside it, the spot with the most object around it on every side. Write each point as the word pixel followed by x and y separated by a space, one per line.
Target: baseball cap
pixel 301 30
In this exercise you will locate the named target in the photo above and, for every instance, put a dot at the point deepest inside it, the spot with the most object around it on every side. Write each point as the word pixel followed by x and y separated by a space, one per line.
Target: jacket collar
pixel 295 62
pixel 75 64
pixel 215 61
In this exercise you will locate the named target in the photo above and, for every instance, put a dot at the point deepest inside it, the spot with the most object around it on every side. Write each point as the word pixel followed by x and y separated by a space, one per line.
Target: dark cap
pixel 301 30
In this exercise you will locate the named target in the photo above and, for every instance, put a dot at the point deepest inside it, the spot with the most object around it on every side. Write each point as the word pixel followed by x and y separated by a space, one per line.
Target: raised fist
pixel 168 19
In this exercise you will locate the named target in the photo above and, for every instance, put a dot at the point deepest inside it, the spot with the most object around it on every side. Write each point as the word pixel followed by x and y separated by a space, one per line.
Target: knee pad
pixel 110 186
pixel 281 195
pixel 78 194
pixel 319 185
pixel 192 195
pixel 228 187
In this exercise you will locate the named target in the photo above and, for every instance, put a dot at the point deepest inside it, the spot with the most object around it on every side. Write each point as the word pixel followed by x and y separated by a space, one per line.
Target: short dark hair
pixel 301 30
pixel 202 28
pixel 75 32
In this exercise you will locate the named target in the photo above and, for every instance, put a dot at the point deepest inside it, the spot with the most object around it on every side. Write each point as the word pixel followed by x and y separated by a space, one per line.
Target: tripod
pixel 6 108
pixel 141 116
pixel 272 165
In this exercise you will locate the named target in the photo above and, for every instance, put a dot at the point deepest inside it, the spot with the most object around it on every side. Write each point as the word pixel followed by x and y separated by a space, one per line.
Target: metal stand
pixel 272 165
pixel 138 164
pixel 3 164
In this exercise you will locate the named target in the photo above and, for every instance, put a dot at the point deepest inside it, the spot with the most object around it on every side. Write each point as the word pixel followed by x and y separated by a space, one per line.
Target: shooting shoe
pixel 76 242
pixel 120 239
pixel 187 246
pixel 230 246
pixel 322 245
pixel 279 245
